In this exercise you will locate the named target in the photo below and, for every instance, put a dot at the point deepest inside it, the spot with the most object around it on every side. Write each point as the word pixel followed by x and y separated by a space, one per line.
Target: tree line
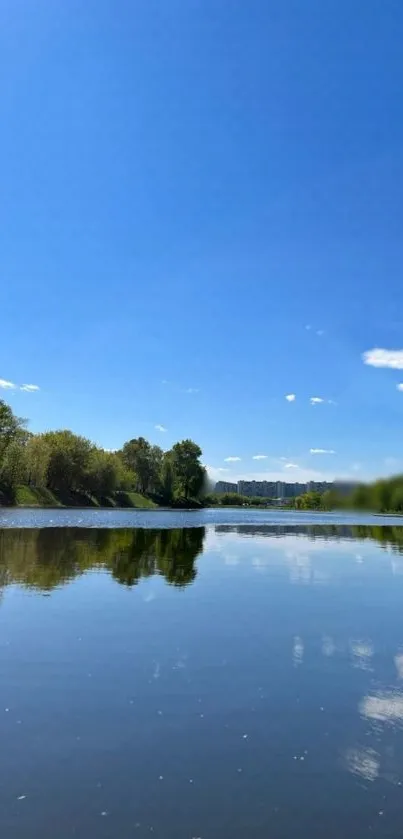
pixel 384 495
pixel 68 464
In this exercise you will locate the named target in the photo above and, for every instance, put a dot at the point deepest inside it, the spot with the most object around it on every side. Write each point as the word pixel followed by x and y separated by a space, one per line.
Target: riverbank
pixel 41 497
pixel 28 496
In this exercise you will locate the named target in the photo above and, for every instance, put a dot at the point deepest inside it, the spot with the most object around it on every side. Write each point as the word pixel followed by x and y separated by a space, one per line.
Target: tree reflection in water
pixel 47 558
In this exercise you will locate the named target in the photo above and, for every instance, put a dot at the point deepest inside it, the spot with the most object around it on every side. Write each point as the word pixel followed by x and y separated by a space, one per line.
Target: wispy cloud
pixel 231 459
pixel 5 385
pixel 216 472
pixel 379 357
pixel 322 451
pixel 291 466
pixel 316 400
pixel 320 332
pixel 290 397
pixel 191 390
pixel 29 388
pixel 308 327
pixel 259 457
pixel 160 428
pixel 400 386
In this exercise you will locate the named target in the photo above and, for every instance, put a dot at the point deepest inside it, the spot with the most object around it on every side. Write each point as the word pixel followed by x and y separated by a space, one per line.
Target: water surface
pixel 220 681
pixel 89 517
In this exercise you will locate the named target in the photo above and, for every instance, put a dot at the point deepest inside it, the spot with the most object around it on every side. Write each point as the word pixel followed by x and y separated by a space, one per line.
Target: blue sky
pixel 186 188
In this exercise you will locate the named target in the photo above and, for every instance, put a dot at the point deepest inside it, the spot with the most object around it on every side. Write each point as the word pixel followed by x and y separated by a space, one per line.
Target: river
pixel 214 674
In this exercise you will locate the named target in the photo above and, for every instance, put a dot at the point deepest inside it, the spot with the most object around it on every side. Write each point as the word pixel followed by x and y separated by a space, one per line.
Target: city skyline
pixel 278 489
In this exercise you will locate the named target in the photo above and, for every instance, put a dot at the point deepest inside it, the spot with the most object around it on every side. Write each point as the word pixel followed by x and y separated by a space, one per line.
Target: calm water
pixel 219 682
pixel 178 518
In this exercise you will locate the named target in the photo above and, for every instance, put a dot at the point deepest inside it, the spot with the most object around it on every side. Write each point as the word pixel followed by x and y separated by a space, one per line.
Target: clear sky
pixel 201 213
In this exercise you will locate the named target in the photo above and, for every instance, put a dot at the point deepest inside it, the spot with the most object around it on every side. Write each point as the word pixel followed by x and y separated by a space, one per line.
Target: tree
pixel 13 466
pixel 145 461
pixel 189 472
pixel 10 426
pixel 361 497
pixel 69 460
pixel 37 453
pixel 102 475
pixel 167 478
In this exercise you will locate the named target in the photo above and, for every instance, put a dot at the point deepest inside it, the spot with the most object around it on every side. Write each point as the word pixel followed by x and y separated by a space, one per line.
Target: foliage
pixel 167 479
pixel 188 471
pixel 38 453
pixel 10 426
pixel 145 461
pixel 70 469
pixel 234 499
pixel 13 466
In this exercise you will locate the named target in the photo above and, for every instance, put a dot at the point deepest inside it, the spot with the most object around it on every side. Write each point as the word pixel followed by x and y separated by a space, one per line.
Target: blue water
pixel 14 517
pixel 220 681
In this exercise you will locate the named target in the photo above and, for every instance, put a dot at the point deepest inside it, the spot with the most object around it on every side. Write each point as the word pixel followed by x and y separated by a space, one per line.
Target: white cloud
pixel 29 388
pixel 378 357
pixel 192 390
pixel 320 332
pixel 316 400
pixel 399 386
pixel 322 451
pixel 308 327
pixel 160 428
pixel 216 472
pixel 7 385
pixel 231 459
pixel 291 466
pixel 259 457
pixel 290 397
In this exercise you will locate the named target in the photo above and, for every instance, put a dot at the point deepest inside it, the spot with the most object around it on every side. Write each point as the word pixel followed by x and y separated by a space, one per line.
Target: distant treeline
pixel 382 496
pixel 70 465
pixel 233 499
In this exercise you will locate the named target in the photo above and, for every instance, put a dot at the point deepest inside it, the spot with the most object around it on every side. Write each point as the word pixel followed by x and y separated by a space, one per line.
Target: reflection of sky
pixel 297 651
pixel 361 652
pixel 384 707
pixel 363 762
pixel 307 560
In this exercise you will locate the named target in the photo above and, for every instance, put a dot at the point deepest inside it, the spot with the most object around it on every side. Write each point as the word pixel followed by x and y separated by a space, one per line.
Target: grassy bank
pixel 29 496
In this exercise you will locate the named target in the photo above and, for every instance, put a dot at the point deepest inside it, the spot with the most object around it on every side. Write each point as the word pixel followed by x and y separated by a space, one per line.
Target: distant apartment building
pixel 225 486
pixel 294 489
pixel 258 489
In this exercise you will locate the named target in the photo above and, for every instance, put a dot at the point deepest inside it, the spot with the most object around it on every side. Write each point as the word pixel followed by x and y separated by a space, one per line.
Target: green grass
pixel 133 499
pixel 28 496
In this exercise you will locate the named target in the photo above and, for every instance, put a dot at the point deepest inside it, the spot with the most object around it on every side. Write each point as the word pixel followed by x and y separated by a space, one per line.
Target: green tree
pixel 13 467
pixel 361 497
pixel 189 473
pixel 10 426
pixel 69 460
pixel 167 478
pixel 144 461
pixel 37 453
pixel 102 475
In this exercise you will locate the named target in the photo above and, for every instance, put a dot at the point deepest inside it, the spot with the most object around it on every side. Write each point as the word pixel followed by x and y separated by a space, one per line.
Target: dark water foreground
pixel 220 682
